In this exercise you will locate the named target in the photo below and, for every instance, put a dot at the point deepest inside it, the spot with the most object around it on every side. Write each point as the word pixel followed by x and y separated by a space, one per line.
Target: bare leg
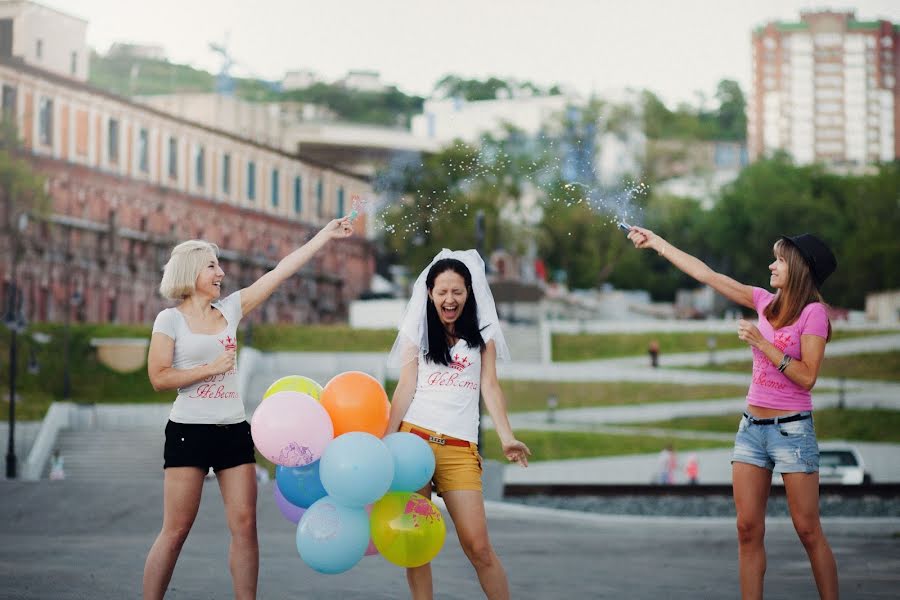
pixel 803 501
pixel 419 579
pixel 751 486
pixel 238 485
pixel 181 500
pixel 467 511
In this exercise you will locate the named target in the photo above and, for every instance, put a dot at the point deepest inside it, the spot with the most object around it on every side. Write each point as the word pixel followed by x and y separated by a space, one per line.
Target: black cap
pixel 817 254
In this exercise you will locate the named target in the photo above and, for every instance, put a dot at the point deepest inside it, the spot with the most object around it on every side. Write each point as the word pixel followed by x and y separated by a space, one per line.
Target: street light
pixel 14 320
pixel 74 303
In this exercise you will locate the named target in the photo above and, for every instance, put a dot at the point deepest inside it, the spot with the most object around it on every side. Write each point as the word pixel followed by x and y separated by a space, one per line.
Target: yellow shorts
pixel 456 467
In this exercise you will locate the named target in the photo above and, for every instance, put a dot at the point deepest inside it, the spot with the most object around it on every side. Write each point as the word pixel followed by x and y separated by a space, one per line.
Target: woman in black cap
pixel 776 432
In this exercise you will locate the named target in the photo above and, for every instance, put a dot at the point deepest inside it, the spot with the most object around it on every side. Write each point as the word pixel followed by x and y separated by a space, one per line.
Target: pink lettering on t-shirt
pixel 770 388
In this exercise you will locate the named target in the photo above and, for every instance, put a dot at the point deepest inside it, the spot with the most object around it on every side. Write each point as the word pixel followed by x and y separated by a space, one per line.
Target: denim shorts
pixel 780 447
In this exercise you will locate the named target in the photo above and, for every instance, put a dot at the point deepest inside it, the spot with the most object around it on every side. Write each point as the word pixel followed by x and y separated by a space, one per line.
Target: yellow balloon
pixel 407 528
pixel 295 383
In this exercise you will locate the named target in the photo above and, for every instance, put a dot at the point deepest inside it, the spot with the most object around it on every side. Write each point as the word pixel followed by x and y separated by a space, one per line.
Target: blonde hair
pixel 185 263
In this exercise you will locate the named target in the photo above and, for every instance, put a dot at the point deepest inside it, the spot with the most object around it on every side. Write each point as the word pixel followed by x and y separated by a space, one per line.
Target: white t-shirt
pixel 446 397
pixel 215 399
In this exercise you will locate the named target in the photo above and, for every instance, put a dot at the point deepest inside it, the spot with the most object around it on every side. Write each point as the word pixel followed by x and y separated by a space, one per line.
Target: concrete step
pixel 97 454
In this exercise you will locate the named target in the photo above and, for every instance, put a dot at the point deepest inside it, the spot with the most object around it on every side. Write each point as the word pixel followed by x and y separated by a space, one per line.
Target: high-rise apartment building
pixel 825 90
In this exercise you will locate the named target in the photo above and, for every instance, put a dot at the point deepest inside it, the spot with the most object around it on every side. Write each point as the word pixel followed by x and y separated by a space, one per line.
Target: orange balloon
pixel 356 401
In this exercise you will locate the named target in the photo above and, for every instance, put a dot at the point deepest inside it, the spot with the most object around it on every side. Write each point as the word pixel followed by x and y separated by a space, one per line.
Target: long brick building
pixel 127 182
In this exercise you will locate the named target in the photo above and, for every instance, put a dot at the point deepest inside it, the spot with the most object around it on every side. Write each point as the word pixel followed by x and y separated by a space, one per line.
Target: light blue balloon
pixel 356 469
pixel 413 461
pixel 301 486
pixel 331 537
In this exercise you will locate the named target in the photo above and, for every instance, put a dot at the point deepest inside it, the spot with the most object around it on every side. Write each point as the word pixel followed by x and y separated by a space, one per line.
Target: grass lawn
pixel 524 396
pixel 589 346
pixel 557 445
pixel 320 338
pixel 865 425
pixel 874 365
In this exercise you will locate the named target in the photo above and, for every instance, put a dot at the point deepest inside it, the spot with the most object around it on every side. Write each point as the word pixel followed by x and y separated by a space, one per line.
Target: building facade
pixel 825 90
pixel 127 182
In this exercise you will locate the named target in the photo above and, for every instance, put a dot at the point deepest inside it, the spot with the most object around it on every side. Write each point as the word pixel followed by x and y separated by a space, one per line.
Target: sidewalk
pixel 69 540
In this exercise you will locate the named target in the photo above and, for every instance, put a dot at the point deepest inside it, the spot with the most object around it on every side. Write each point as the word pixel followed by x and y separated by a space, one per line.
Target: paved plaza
pixel 88 540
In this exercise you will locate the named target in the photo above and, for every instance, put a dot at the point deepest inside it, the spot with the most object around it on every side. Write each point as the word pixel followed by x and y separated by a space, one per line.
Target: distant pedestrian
pixel 653 351
pixel 692 469
pixel 776 433
pixel 57 462
pixel 666 465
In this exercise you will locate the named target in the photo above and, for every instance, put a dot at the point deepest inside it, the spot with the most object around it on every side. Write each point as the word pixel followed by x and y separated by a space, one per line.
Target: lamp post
pixel 14 319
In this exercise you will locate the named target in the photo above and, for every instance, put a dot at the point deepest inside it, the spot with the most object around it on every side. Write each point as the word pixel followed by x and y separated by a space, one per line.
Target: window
pixel 200 167
pixel 45 121
pixel 298 195
pixel 144 151
pixel 9 101
pixel 173 158
pixel 226 174
pixel 39 49
pixel 251 180
pixel 74 64
pixel 112 142
pixel 275 188
pixel 340 202
pixel 320 198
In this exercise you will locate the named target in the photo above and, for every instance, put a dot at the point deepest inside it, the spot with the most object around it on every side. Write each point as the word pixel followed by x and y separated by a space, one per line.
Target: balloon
pixel 356 469
pixel 291 429
pixel 301 486
pixel 290 511
pixel 407 529
pixel 413 461
pixel 295 383
pixel 371 550
pixel 356 402
pixel 331 537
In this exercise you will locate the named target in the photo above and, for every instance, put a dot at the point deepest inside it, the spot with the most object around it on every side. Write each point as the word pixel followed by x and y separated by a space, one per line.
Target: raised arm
pixel 495 401
pixel 403 395
pixel 257 293
pixel 163 376
pixel 735 291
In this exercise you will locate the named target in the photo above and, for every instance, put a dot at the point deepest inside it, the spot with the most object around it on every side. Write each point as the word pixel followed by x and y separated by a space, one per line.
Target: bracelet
pixel 785 361
pixel 662 252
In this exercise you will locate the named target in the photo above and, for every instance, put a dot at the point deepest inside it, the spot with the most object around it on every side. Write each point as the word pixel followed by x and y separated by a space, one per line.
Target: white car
pixel 838 463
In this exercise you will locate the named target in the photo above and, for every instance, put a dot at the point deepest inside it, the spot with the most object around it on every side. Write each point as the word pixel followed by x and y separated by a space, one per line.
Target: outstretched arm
pixel 735 291
pixel 495 401
pixel 257 293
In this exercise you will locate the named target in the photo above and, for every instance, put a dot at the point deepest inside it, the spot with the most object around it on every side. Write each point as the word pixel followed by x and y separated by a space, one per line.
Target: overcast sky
pixel 673 47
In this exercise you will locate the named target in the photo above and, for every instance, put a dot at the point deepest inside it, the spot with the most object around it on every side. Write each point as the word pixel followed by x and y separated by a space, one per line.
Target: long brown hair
pixel 799 291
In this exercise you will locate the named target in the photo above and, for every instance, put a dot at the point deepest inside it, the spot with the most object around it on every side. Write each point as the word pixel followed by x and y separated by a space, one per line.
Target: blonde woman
pixel 193 350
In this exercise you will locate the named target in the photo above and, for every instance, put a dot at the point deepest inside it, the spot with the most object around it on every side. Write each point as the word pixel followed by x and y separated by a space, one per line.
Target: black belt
pixel 775 420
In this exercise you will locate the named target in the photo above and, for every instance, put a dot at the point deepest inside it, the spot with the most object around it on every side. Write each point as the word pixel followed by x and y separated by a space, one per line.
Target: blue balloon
pixel 301 486
pixel 356 468
pixel 413 461
pixel 331 537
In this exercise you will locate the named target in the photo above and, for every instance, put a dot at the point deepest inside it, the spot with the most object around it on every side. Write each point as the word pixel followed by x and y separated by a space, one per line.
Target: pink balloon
pixel 291 429
pixel 291 513
pixel 371 550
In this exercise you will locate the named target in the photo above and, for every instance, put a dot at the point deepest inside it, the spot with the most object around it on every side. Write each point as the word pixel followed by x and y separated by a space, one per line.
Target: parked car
pixel 838 463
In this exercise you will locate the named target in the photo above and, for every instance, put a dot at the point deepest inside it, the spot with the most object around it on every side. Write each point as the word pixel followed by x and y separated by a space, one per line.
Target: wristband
pixel 785 361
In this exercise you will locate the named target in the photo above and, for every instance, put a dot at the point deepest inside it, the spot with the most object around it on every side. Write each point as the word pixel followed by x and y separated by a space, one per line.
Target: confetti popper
pixel 356 203
pixel 624 226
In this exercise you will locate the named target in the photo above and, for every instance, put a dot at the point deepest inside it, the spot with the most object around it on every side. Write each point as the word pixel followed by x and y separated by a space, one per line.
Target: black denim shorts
pixel 205 446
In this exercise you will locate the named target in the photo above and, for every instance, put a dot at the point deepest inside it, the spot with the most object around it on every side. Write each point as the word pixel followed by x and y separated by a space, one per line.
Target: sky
pixel 674 48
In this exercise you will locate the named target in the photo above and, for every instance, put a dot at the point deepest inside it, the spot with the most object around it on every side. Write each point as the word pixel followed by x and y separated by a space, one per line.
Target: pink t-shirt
pixel 769 388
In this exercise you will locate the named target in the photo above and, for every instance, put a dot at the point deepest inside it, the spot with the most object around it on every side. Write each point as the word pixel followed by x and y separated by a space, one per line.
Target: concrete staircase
pixel 111 454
